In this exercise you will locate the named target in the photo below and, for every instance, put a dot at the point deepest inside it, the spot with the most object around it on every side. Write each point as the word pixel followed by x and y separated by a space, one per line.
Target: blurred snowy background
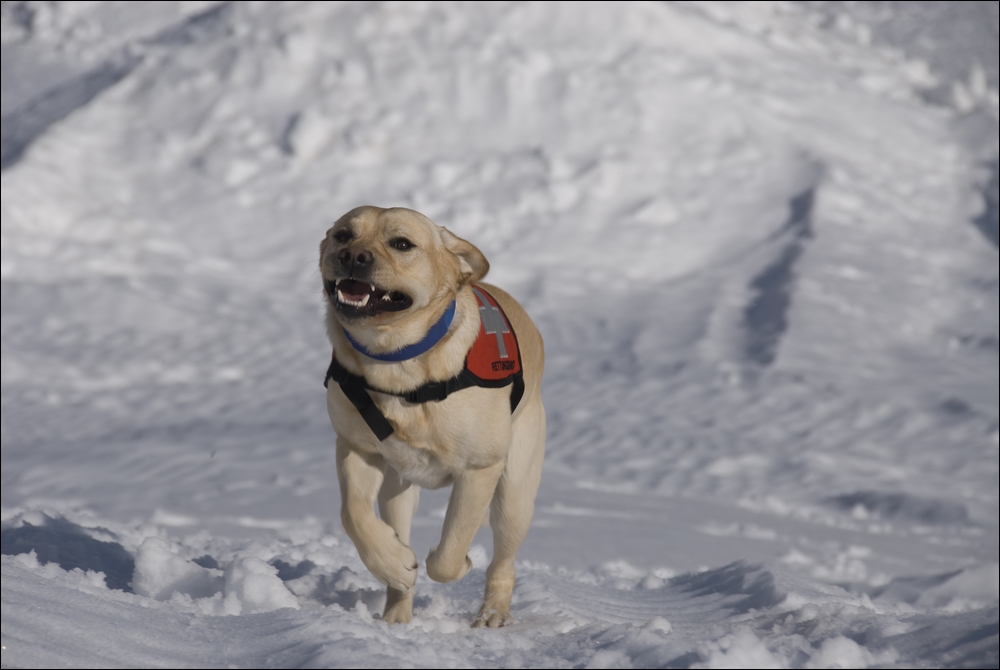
pixel 760 240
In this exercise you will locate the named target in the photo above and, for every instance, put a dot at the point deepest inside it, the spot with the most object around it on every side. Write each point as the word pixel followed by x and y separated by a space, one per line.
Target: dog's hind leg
pixel 361 476
pixel 397 503
pixel 510 513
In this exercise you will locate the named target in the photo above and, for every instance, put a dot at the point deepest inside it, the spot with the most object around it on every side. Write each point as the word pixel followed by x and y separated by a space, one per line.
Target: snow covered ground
pixel 760 240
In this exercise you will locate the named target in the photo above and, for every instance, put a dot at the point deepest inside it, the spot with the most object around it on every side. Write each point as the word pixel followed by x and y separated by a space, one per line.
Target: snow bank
pixel 253 586
pixel 739 615
pixel 247 585
pixel 841 652
pixel 160 573
pixel 741 649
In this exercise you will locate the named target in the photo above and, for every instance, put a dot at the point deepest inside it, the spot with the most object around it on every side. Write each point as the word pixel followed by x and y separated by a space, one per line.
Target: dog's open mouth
pixel 355 298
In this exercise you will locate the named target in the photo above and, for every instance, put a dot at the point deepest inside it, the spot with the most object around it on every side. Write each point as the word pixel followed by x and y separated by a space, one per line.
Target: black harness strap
pixel 356 389
pixel 517 392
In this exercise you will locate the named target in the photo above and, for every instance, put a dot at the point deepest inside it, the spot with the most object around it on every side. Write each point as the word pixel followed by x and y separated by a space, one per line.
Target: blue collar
pixel 433 336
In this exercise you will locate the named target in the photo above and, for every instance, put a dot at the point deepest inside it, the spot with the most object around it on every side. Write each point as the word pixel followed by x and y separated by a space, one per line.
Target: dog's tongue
pixel 353 289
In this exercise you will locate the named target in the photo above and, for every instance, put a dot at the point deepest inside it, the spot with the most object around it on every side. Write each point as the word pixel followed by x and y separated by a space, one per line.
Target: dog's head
pixel 381 265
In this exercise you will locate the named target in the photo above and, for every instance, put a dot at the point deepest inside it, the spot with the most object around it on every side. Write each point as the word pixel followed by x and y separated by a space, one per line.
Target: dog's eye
pixel 401 244
pixel 342 236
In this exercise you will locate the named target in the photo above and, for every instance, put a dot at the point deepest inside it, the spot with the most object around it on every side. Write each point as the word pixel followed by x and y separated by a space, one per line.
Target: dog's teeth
pixel 373 287
pixel 364 301
pixel 340 295
pixel 386 297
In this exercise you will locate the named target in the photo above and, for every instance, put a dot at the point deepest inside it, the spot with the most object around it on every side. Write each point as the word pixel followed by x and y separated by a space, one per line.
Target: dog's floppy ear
pixel 472 265
pixel 322 249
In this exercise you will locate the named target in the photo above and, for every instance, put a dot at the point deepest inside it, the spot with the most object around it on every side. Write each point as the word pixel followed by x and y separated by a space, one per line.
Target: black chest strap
pixel 356 389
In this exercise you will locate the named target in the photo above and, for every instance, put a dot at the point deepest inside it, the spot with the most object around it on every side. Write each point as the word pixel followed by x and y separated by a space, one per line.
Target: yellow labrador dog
pixel 434 382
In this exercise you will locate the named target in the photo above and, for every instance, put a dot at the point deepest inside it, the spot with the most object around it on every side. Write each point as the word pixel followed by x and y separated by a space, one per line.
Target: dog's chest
pixel 411 451
pixel 414 464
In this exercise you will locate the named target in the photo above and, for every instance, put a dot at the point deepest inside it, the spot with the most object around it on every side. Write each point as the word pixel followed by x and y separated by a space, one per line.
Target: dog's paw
pixel 491 618
pixel 396 567
pixel 404 574
pixel 446 571
pixel 398 606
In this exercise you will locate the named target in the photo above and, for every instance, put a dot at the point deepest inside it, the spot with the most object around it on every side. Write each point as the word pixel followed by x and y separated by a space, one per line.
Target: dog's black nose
pixel 355 256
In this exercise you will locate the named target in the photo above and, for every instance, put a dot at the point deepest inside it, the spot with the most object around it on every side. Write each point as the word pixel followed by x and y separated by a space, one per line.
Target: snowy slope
pixel 759 239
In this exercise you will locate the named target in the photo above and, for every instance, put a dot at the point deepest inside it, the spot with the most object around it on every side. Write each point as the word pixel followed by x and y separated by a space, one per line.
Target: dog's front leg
pixel 397 503
pixel 360 476
pixel 467 506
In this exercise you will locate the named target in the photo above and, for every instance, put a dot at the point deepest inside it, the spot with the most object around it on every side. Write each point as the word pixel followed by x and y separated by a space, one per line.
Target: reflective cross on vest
pixel 493 323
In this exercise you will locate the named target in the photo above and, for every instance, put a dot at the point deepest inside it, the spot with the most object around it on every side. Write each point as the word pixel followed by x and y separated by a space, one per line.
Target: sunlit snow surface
pixel 759 239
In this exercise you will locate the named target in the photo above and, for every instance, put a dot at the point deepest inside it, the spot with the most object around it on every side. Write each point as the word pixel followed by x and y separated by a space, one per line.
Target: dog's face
pixel 381 265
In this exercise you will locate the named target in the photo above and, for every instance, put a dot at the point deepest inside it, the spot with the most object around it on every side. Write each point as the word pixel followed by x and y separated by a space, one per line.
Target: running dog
pixel 435 381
